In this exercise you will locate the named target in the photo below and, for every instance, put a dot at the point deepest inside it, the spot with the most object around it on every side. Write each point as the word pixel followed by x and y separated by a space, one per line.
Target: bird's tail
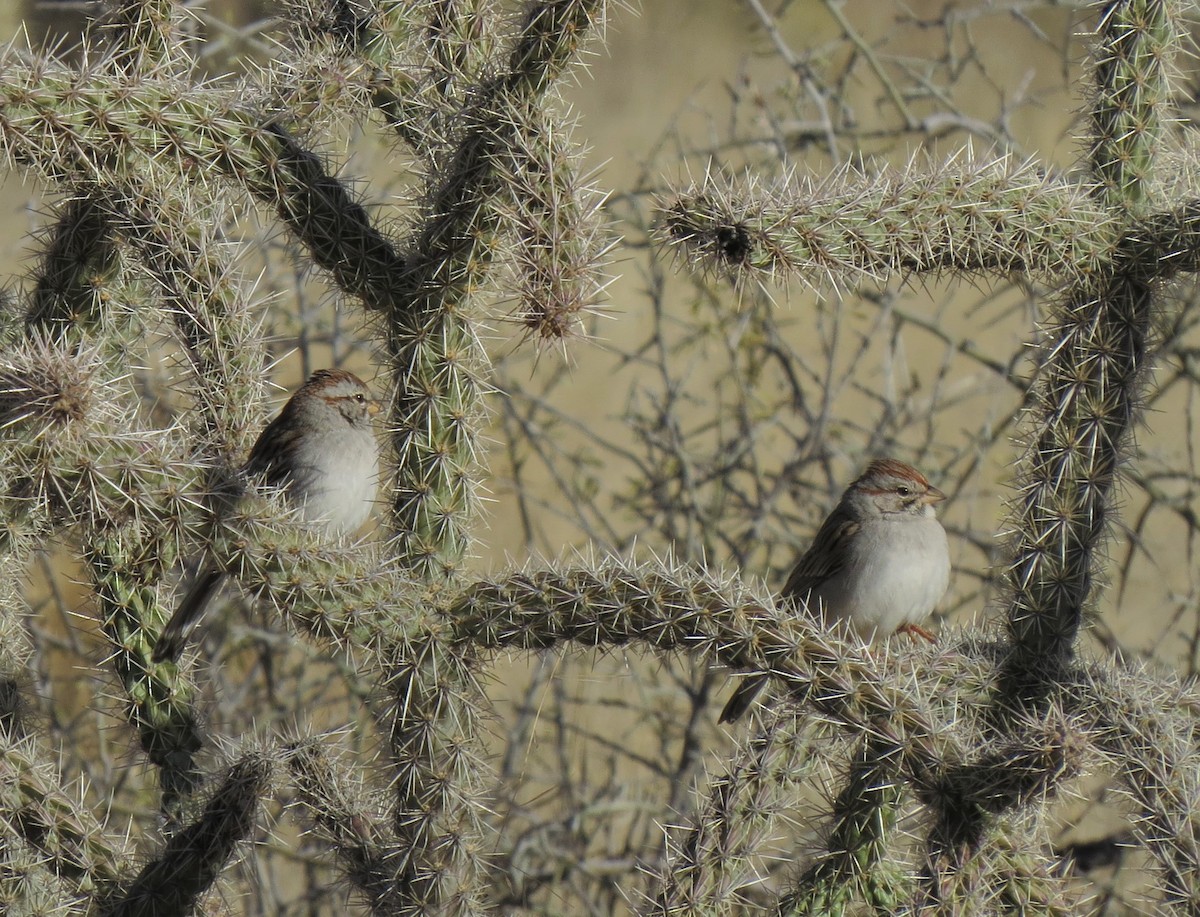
pixel 741 699
pixel 175 635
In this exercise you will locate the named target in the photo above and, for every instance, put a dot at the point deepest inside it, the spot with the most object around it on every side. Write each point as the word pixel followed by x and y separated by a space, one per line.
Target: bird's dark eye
pixel 360 397
pixel 904 490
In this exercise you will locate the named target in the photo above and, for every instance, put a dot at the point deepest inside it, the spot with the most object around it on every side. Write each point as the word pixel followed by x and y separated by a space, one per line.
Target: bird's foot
pixel 915 630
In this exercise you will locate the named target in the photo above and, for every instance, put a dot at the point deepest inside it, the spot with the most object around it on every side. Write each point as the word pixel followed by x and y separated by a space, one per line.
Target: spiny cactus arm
pixel 460 36
pixel 968 794
pixel 79 257
pixel 171 883
pixel 82 127
pixel 15 646
pixel 1137 41
pixel 1148 728
pixel 176 238
pixel 44 393
pixel 75 457
pixel 37 813
pixel 142 35
pixel 127 561
pixel 1087 394
pixel 351 57
pixel 47 398
pixel 1020 770
pixel 124 491
pixel 338 232
pixel 554 212
pixel 417 74
pixel 965 216
pixel 85 125
pixel 855 863
pixel 125 189
pixel 707 867
pixel 126 575
pixel 72 450
pixel 341 594
pixel 333 800
pixel 456 243
pixel 1168 241
pixel 426 862
pixel 73 125
pixel 616 605
pixel 1011 874
pixel 29 885
pixel 436 357
pixel 669 607
pixel 433 726
pixel 202 293
pixel 549 41
pixel 983 836
pixel 437 347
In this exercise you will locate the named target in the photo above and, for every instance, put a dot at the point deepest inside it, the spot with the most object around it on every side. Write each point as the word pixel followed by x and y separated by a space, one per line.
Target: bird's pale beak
pixel 374 407
pixel 933 495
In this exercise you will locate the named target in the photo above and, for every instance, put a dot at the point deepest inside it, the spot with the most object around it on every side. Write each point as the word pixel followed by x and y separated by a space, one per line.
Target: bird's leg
pixel 915 630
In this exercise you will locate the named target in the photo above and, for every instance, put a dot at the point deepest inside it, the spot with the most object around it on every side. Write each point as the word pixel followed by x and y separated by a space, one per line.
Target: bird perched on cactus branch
pixel 880 561
pixel 320 450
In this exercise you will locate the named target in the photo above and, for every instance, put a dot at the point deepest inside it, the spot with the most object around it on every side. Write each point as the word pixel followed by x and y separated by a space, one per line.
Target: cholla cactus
pixel 1106 247
pixel 942 765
